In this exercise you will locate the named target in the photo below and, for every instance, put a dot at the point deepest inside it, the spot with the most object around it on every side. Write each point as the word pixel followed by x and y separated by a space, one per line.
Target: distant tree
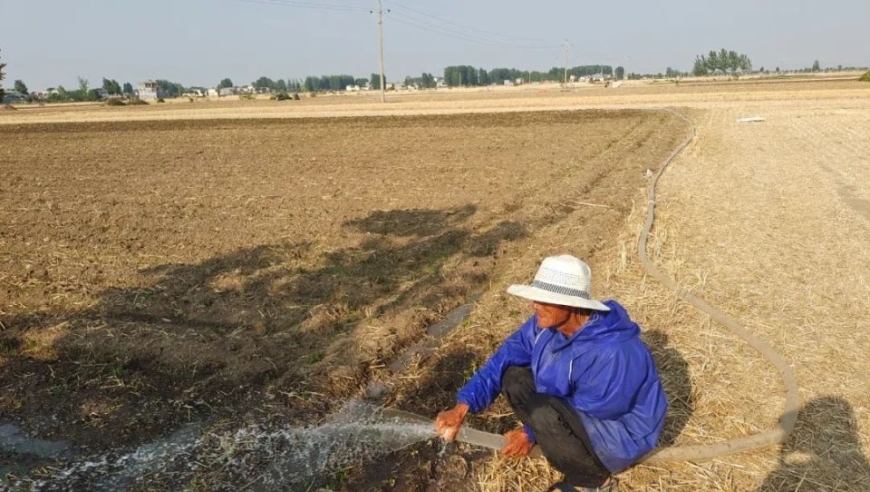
pixel 452 77
pixel 128 88
pixel 483 77
pixel 744 63
pixel 264 83
pixel 112 87
pixel 722 60
pixel 761 70
pixel 816 66
pixel 701 67
pixel 225 84
pixel 733 61
pixel 171 89
pixel 375 81
pixel 84 93
pixel 336 83
pixel 671 73
pixel 21 87
pixel 361 82
pixel 464 75
pixel 61 95
pixel 777 69
pixel 280 85
pixel 428 81
pixel 620 73
pixel 312 84
pixel 2 76
pixel 712 61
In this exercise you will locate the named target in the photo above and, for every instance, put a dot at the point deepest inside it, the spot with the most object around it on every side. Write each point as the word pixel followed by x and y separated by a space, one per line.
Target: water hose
pixel 792 399
pixel 775 435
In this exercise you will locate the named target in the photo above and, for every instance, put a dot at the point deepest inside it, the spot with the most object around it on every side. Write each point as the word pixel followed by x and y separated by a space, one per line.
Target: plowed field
pixel 157 273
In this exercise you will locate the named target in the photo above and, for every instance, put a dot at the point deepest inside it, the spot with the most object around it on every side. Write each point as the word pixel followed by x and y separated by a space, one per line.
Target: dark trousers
pixel 557 428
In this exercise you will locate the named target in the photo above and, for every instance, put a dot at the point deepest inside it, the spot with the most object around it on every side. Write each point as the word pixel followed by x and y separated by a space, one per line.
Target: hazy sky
pixel 198 42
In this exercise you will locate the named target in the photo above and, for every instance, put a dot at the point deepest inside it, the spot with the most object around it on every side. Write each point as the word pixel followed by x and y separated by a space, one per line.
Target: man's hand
pixel 448 422
pixel 518 444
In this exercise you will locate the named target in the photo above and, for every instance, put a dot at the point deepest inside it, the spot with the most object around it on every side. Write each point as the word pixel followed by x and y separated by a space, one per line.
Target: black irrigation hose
pixel 792 399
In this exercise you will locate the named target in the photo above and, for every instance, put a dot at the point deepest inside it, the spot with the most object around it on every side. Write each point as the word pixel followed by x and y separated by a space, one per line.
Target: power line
pixel 416 18
pixel 309 5
pixel 458 34
pixel 433 28
pixel 400 7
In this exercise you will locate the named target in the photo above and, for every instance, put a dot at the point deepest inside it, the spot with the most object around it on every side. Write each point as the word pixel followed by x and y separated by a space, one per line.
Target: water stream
pixel 253 457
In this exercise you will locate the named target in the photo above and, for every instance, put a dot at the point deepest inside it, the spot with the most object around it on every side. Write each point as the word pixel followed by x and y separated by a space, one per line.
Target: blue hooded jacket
pixel 604 371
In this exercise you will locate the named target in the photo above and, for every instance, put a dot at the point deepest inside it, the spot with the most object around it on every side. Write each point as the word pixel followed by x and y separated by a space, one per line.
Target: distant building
pixel 352 88
pixel 149 91
pixel 227 91
pixel 213 93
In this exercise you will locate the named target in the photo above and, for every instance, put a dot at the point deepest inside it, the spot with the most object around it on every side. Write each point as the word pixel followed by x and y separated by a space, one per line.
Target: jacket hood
pixel 604 327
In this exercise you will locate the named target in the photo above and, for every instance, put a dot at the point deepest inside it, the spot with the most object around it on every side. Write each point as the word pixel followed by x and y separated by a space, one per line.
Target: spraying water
pixel 251 457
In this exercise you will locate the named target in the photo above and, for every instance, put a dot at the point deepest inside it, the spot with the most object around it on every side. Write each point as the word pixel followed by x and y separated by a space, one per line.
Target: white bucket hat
pixel 563 280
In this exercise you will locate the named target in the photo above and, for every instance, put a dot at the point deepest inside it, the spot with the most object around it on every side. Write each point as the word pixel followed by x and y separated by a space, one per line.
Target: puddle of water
pixel 251 457
pixel 15 441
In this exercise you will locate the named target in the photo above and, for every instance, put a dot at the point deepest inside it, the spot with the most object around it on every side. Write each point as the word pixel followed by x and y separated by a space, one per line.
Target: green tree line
pixel 722 61
pixel 82 94
pixel 111 87
pixel 279 85
pixel 464 75
pixel 2 76
pixel 425 81
pixel 334 83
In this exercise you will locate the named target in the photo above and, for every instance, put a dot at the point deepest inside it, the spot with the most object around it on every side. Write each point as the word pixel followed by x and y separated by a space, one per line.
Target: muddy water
pixel 27 450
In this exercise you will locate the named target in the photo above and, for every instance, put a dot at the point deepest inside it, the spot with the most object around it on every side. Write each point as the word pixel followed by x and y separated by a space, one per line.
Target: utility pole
pixel 565 49
pixel 381 47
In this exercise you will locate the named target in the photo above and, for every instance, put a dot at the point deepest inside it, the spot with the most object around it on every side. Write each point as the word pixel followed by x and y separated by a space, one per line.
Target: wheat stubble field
pixel 158 270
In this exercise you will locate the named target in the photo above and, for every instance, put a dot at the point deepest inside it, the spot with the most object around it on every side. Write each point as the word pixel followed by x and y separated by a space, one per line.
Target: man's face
pixel 550 315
